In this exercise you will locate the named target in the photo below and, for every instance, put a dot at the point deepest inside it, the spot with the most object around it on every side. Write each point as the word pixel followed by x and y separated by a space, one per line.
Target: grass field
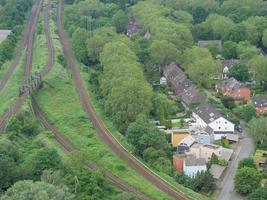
pixel 9 94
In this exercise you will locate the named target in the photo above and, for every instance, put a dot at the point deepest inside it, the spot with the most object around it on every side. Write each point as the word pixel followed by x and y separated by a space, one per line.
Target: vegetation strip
pixel 100 128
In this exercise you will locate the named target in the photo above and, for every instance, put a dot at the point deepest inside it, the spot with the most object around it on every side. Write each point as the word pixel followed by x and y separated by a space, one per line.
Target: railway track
pixel 98 124
pixel 23 44
pixel 28 42
pixel 68 146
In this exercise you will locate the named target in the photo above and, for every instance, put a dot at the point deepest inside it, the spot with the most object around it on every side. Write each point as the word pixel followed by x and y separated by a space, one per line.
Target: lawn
pixel 11 90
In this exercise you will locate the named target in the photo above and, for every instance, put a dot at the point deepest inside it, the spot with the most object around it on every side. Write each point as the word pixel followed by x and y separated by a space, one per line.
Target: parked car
pixel 239 129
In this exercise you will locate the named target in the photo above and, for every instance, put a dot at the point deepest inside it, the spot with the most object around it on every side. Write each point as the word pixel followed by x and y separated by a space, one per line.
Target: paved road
pixel 245 149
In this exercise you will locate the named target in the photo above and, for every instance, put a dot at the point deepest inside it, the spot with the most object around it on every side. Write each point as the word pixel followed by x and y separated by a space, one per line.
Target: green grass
pixel 65 112
pixel 3 68
pixel 11 90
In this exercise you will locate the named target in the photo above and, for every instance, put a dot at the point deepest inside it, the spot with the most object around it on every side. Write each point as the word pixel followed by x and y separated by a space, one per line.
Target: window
pixel 219 127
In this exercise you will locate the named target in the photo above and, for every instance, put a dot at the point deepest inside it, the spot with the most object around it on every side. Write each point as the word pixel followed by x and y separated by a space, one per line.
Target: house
pixel 260 103
pixel 4 34
pixel 235 89
pixel 182 140
pixel 193 165
pixel 206 151
pixel 178 162
pixel 163 81
pixel 260 158
pixel 204 137
pixel 206 115
pixel 232 138
pixel 205 43
pixel 217 171
pixel 133 27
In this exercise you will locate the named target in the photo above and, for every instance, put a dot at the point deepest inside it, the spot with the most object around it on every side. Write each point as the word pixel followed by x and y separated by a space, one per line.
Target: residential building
pixel 207 116
pixel 260 103
pixel 193 165
pixel 178 136
pixel 217 171
pixel 204 137
pixel 232 138
pixel 206 151
pixel 204 113
pixel 235 89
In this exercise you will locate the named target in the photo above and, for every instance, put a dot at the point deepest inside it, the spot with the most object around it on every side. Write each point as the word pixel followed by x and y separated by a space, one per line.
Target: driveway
pixel 245 149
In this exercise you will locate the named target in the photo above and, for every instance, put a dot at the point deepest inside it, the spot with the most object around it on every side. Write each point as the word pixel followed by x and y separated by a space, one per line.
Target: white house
pixel 207 116
pixel 194 165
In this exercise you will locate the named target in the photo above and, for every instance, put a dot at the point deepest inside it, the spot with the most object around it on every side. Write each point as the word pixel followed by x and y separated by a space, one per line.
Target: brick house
pixel 233 88
pixel 260 103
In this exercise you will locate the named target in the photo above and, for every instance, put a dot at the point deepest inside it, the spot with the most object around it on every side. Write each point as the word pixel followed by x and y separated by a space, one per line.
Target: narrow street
pixel 245 149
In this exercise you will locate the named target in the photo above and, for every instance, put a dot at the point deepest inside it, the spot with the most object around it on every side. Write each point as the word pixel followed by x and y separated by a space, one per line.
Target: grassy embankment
pixel 11 90
pixel 65 112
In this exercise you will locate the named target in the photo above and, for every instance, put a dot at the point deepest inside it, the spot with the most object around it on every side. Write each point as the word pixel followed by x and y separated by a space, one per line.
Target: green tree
pixel 245 50
pixel 204 182
pixel 246 180
pixel 162 52
pixel 181 16
pixel 246 112
pixel 120 21
pixel 200 66
pixel 239 72
pixel 36 191
pixel 247 162
pixel 44 159
pixel 229 49
pixel 259 194
pixel 213 160
pixel 258 130
pixel 258 67
pixel 78 40
pixel 236 33
pixel 264 38
pixel 8 172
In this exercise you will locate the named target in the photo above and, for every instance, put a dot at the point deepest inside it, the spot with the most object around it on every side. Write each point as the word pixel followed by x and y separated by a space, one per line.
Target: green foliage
pixel 258 67
pixel 162 107
pixel 120 21
pixel 126 196
pixel 229 50
pixel 259 194
pixel 247 162
pixel 200 66
pixel 239 72
pixel 245 50
pixel 225 143
pixel 43 159
pixel 258 130
pixel 36 191
pixel 162 28
pixel 23 123
pixel 246 180
pixel 246 112
pixel 123 85
pixel 213 160
pixel 264 38
pixel 162 52
pixel 202 182
pixel 78 40
pixel 182 17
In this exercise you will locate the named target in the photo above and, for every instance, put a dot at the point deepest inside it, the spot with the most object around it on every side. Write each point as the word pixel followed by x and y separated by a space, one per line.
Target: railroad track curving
pixel 23 43
pixel 99 125
pixel 69 147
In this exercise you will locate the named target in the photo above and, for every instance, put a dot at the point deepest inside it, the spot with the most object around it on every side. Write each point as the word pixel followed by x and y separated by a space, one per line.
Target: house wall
pixel 178 163
pixel 261 111
pixel 222 125
pixel 206 152
pixel 192 170
pixel 243 93
pixel 205 138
